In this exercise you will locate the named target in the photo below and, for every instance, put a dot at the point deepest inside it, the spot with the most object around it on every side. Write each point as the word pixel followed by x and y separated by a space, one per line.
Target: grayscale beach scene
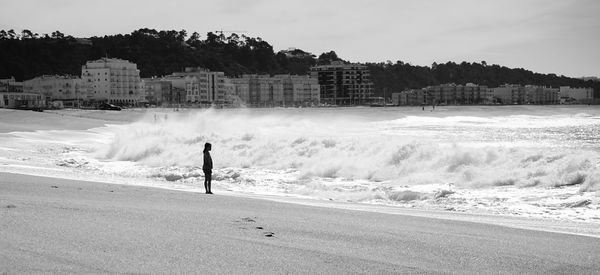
pixel 279 137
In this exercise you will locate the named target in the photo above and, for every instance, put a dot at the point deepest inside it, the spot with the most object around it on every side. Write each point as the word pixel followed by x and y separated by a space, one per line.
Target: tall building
pixel 112 80
pixel 343 84
pixel 241 90
pixel 231 99
pixel 65 88
pixel 299 90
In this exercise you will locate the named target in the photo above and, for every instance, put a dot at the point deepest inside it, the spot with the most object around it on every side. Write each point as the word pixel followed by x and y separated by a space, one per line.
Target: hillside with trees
pixel 400 76
pixel 26 55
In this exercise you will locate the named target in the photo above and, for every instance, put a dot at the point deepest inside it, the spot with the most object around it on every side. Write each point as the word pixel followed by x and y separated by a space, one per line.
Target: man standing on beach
pixel 207 167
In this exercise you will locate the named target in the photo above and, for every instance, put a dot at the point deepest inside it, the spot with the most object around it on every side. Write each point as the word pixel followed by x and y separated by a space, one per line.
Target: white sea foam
pixel 541 164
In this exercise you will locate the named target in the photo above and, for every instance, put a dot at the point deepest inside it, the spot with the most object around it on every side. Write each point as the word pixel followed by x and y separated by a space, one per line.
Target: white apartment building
pixel 445 94
pixel 259 90
pixel 66 88
pixel 299 90
pixel 185 88
pixel 452 94
pixel 510 94
pixel 231 99
pixel 411 97
pixel 541 95
pixel 21 100
pixel 528 94
pixel 113 80
pixel 207 87
pixel 241 88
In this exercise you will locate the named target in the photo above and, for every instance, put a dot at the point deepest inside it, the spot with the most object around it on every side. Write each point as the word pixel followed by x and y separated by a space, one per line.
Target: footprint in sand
pixel 248 220
pixel 252 220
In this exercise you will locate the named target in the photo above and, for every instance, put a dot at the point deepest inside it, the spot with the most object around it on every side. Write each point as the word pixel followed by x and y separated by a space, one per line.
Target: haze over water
pixel 522 160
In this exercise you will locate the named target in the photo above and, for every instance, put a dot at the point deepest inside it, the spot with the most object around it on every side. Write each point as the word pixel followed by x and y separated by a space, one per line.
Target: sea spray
pixel 328 147
pixel 540 163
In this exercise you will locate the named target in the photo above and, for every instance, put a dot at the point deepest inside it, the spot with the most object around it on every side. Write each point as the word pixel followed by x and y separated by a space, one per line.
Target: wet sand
pixel 52 225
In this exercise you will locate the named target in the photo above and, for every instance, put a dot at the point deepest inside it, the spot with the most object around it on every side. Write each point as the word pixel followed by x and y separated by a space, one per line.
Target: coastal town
pixel 117 82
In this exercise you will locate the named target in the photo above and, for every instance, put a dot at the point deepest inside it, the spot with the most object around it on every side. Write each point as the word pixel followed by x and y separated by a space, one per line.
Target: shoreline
pixel 54 225
pixel 586 229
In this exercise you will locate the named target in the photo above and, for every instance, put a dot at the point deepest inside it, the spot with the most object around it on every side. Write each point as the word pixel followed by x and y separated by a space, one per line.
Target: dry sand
pixel 63 226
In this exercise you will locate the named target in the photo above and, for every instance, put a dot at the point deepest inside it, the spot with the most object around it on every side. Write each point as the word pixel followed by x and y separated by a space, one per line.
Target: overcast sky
pixel 561 37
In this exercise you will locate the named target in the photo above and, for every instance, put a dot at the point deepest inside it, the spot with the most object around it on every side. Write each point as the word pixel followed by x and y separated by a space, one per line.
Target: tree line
pixel 26 55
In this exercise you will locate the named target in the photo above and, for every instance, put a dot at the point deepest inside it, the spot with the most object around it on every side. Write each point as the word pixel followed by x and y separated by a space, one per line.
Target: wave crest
pixel 325 148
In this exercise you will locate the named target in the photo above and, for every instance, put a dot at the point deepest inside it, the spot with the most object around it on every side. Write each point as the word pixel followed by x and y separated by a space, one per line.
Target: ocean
pixel 529 161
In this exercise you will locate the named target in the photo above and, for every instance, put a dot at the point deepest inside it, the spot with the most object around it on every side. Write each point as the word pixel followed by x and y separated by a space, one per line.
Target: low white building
pixel 64 88
pixel 203 86
pixel 20 100
pixel 259 90
pixel 510 94
pixel 541 95
pixel 299 90
pixel 576 95
pixel 188 84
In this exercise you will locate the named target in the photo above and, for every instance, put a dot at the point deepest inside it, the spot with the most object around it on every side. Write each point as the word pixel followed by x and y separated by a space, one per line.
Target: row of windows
pixel 114 93
pixel 23 97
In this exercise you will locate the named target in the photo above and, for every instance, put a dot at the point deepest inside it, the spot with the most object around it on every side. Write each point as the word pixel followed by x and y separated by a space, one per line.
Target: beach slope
pixel 52 225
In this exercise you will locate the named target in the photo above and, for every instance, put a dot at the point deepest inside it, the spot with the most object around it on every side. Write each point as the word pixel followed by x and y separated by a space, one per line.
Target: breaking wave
pixel 520 160
pixel 467 152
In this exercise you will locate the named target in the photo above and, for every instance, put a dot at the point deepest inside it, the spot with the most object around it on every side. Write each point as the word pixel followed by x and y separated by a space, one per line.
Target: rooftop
pixel 109 60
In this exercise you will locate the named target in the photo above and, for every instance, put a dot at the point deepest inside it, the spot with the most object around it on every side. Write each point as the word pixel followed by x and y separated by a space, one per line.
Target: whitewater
pixel 527 161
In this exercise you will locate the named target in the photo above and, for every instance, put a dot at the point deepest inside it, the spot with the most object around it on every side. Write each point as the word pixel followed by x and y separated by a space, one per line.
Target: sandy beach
pixel 71 119
pixel 55 225
pixel 62 226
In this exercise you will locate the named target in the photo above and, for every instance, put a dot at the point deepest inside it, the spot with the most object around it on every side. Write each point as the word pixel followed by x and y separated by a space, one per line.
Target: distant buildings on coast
pixel 508 94
pixel 118 82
